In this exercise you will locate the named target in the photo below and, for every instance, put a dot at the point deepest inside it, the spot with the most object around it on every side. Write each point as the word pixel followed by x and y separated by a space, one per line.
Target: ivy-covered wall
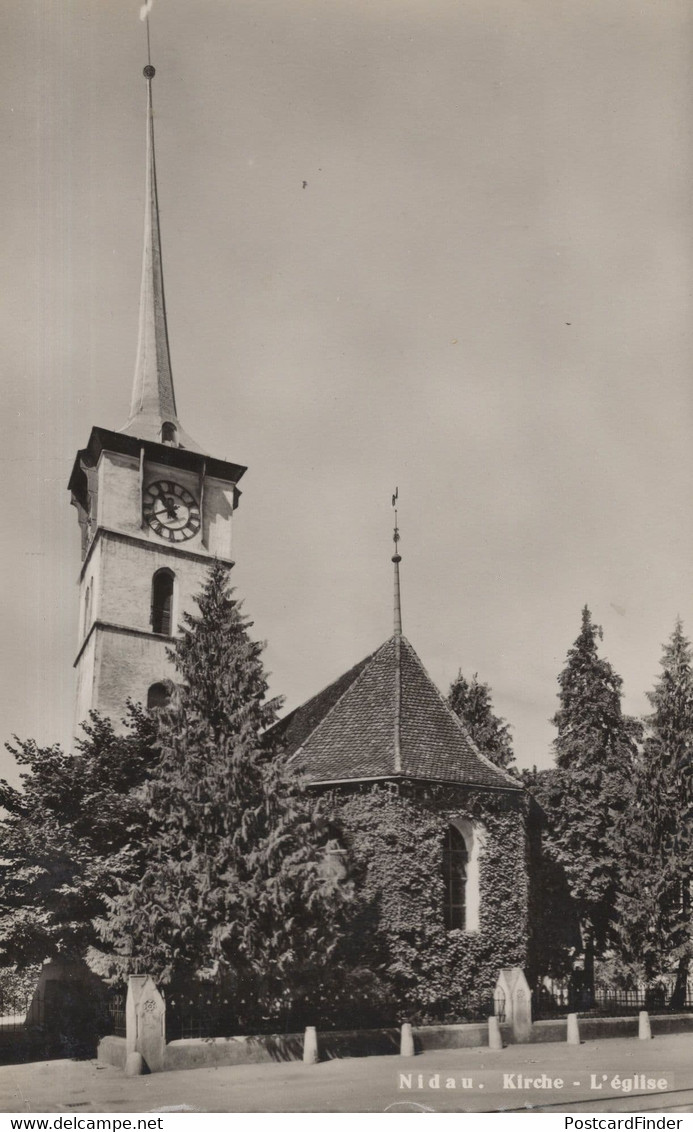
pixel 394 843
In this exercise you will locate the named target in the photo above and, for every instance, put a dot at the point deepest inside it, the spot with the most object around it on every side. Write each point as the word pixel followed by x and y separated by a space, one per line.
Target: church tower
pixel 153 509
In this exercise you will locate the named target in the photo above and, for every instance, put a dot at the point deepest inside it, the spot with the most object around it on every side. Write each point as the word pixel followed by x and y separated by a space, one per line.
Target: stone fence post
pixel 513 989
pixel 145 1022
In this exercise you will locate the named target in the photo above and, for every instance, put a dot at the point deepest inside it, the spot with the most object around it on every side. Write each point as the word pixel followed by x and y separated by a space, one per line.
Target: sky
pixel 443 245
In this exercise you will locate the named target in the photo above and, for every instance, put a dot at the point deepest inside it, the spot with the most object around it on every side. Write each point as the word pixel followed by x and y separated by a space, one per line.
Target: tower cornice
pixel 143 543
pixel 105 440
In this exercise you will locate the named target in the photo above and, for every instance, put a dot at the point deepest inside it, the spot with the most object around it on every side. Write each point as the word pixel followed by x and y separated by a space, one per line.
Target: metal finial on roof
pixel 397 558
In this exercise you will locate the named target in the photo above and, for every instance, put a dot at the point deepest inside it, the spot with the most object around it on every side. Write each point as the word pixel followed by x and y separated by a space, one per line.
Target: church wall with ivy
pixel 422 971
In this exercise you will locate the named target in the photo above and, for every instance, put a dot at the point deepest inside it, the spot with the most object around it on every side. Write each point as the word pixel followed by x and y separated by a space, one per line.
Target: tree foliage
pixel 657 835
pixel 71 833
pixel 235 885
pixel 596 751
pixel 471 701
pixel 554 928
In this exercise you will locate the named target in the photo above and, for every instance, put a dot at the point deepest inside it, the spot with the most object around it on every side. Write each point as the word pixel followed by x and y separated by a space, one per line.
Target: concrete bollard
pixel 310 1046
pixel 495 1039
pixel 406 1044
pixel 573 1035
pixel 134 1065
pixel 644 1030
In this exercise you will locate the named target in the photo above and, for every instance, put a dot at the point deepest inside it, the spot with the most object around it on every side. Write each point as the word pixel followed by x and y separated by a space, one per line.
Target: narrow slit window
pixel 87 610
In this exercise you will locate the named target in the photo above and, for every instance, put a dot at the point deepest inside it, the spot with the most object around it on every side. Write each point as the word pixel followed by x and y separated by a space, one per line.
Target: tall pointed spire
pixel 153 403
pixel 397 558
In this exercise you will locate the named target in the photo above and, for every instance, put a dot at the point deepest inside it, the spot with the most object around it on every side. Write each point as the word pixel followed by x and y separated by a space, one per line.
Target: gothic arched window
pixel 455 864
pixel 162 602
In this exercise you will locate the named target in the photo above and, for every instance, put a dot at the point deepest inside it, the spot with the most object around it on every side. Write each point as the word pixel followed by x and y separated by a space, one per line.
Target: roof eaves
pixel 516 788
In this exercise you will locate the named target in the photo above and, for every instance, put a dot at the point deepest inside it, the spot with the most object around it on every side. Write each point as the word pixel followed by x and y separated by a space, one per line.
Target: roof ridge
pixel 398 703
pixel 369 661
pixel 458 722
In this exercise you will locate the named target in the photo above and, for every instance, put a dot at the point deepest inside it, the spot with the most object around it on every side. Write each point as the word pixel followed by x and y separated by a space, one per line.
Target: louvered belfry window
pixel 455 862
pixel 162 602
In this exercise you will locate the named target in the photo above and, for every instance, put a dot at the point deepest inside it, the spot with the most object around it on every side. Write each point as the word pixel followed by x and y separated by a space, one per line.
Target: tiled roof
pixel 295 728
pixel 382 719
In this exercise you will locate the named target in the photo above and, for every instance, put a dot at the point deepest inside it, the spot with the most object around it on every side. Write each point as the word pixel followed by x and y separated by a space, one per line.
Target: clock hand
pixel 167 511
pixel 159 493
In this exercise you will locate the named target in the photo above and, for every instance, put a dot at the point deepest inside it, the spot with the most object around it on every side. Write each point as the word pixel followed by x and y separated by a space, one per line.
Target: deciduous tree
pixel 70 834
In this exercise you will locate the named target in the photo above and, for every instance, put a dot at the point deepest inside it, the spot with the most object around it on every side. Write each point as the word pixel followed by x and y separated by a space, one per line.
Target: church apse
pixel 434 832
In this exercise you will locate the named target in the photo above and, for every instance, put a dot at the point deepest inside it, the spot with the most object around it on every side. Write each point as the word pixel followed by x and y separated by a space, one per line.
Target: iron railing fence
pixel 556 1001
pixel 206 1011
pixel 115 1006
pixel 492 1006
pixel 495 1006
pixel 478 1011
pixel 20 1010
pixel 203 1011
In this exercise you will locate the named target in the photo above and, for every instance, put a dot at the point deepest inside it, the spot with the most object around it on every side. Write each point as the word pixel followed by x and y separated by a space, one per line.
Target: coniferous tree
pixel 471 701
pixel 554 932
pixel 596 751
pixel 655 930
pixel 235 886
pixel 69 836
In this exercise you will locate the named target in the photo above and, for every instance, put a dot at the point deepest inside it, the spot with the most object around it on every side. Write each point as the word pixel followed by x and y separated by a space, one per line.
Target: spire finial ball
pixel 149 71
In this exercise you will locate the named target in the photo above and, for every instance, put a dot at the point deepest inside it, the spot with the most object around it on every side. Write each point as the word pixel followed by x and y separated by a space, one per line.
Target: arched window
pixel 455 864
pixel 159 695
pixel 169 434
pixel 162 602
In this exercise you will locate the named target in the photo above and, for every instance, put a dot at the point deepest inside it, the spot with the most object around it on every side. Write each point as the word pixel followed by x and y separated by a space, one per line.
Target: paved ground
pixel 375 1084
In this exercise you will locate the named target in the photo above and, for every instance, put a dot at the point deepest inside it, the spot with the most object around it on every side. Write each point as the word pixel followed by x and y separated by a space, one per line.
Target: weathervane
pixel 397 558
pixel 149 71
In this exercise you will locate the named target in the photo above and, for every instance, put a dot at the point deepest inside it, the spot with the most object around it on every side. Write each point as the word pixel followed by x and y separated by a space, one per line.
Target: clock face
pixel 171 511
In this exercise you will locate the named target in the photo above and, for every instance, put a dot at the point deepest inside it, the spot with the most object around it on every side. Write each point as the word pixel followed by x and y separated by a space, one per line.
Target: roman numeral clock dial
pixel 171 511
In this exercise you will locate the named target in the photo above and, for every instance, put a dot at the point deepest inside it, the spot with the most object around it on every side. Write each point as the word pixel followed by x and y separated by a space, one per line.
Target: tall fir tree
pixel 596 752
pixel 471 702
pixel 655 930
pixel 554 931
pixel 235 886
pixel 70 836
